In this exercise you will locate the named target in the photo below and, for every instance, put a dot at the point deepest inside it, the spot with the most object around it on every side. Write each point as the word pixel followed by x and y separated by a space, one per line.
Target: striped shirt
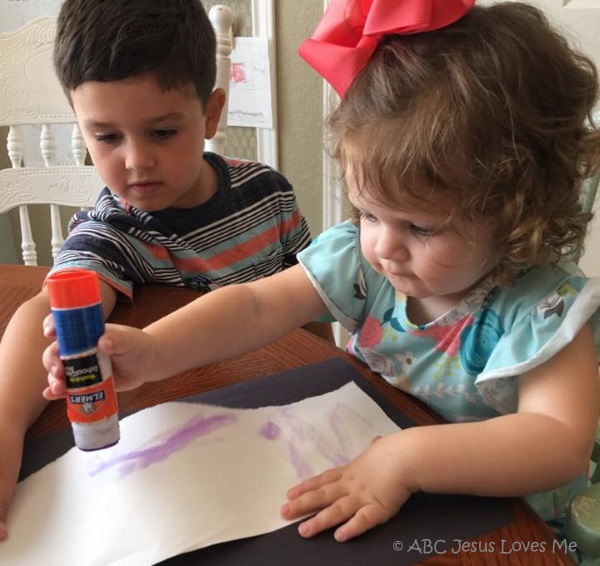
pixel 250 228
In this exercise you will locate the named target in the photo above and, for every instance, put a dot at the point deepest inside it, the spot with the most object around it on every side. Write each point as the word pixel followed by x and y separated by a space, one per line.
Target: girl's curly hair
pixel 494 111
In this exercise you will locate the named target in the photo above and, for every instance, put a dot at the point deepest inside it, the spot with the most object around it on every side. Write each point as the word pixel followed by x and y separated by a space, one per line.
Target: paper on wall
pixel 250 101
pixel 184 476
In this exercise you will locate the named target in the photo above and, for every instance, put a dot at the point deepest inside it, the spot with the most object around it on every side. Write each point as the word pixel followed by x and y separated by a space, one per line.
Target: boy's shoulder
pixel 238 162
pixel 241 172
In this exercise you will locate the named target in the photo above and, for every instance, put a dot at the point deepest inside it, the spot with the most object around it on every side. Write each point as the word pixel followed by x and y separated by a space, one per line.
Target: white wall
pixel 590 261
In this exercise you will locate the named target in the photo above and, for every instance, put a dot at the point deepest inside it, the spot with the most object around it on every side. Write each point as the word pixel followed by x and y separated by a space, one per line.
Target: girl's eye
pixel 164 134
pixel 367 217
pixel 420 231
pixel 107 138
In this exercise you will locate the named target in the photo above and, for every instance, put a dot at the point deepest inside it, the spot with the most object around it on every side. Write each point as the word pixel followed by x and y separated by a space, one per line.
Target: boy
pixel 140 76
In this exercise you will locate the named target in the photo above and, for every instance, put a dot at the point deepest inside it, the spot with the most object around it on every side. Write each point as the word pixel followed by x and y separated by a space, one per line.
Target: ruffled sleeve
pixel 335 265
pixel 535 330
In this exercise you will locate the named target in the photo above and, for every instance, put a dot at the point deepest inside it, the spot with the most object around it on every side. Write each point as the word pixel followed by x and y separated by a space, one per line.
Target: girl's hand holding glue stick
pixel 90 392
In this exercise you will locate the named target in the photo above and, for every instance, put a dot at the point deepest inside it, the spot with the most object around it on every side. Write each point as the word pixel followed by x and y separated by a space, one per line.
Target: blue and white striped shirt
pixel 250 228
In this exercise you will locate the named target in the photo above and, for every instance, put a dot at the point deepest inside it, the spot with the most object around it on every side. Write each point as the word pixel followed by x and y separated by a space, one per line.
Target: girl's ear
pixel 214 109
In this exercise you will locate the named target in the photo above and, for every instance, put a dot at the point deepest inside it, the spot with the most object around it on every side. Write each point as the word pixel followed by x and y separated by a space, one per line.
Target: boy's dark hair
pixel 109 40
pixel 492 111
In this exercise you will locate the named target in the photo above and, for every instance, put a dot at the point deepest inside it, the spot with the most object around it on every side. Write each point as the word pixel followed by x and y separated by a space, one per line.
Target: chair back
pixel 31 95
pixel 221 18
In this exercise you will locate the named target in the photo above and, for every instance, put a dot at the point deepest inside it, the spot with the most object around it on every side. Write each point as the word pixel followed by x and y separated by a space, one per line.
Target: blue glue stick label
pixel 78 330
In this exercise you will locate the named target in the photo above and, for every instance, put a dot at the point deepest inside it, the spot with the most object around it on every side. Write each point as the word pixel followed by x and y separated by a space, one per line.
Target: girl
pixel 463 146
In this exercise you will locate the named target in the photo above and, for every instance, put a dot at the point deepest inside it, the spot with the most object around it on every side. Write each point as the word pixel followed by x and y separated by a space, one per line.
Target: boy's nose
pixel 138 156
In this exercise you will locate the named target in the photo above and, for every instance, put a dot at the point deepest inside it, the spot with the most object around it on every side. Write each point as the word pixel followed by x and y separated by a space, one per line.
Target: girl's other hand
pixel 365 493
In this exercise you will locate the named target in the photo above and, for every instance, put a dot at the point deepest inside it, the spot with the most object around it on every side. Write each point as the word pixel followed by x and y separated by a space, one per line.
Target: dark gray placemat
pixel 426 525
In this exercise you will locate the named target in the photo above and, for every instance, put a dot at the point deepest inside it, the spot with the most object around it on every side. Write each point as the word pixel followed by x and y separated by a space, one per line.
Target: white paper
pixel 250 86
pixel 184 476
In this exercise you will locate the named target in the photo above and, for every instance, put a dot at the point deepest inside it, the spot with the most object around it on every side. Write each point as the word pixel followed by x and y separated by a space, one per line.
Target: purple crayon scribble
pixel 339 454
pixel 190 431
pixel 270 431
pixel 338 419
pixel 303 468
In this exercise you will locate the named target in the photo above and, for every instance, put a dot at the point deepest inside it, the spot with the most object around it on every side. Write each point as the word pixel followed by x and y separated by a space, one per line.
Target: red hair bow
pixel 349 32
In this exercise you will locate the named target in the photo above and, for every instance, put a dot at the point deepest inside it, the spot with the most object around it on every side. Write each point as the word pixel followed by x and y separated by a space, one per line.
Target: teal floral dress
pixel 466 363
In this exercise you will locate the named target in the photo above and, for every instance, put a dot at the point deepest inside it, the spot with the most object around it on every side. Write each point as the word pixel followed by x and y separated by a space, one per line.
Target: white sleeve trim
pixel 348 323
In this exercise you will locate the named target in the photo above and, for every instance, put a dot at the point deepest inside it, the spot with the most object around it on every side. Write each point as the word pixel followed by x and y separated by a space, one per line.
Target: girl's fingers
pixel 312 500
pixel 337 512
pixel 364 519
pixel 3 529
pixel 311 484
pixel 48 326
pixel 56 388
pixel 119 339
pixel 48 394
pixel 356 518
pixel 50 357
pixel 106 345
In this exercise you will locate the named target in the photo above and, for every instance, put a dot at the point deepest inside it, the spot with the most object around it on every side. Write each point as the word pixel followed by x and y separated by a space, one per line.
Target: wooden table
pixel 298 348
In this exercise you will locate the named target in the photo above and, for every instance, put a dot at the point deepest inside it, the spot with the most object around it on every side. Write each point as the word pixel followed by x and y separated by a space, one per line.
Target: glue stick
pixel 79 321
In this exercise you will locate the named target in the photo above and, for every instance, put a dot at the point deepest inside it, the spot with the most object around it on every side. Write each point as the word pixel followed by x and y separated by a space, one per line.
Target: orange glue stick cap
pixel 73 288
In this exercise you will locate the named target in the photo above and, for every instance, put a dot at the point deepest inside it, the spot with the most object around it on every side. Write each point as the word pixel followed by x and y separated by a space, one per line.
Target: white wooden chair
pixel 221 18
pixel 30 94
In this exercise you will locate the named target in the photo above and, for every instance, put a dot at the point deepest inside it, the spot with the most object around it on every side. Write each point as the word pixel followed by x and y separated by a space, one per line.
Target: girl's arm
pixel 544 445
pixel 222 324
pixel 234 320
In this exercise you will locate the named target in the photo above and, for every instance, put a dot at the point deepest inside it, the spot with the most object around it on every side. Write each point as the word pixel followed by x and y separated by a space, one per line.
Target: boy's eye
pixel 421 231
pixel 164 134
pixel 107 138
